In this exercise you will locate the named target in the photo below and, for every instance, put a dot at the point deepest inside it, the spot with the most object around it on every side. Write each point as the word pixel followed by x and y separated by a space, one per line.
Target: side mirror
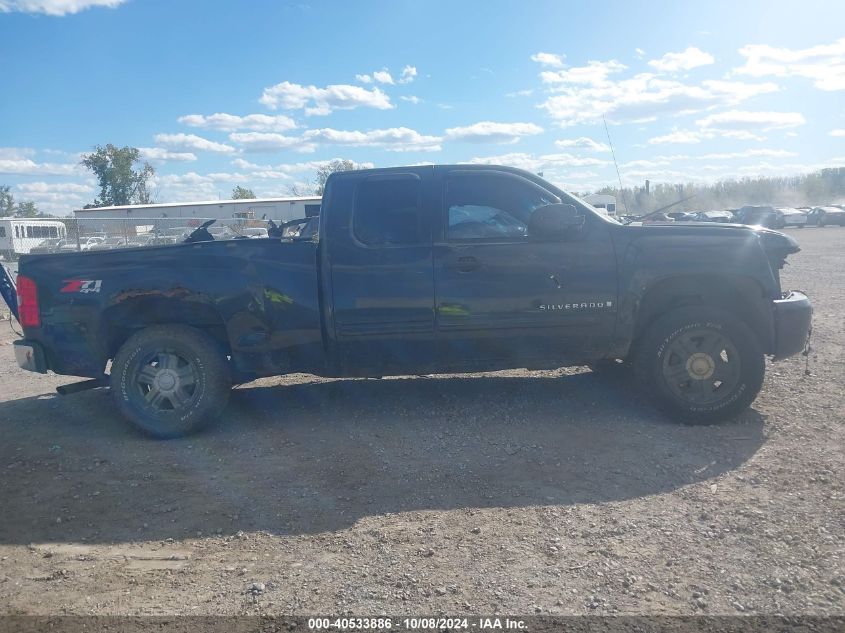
pixel 554 222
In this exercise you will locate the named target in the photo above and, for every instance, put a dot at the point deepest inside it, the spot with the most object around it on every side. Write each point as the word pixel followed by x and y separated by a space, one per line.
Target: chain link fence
pixel 20 236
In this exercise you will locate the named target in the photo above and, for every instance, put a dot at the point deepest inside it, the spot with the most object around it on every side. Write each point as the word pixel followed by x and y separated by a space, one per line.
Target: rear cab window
pixel 388 212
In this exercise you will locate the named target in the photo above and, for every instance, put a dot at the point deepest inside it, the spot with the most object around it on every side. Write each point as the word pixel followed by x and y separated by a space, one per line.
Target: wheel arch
pixel 742 296
pixel 121 321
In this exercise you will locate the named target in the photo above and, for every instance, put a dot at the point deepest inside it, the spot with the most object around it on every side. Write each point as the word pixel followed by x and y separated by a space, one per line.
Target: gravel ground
pixel 516 492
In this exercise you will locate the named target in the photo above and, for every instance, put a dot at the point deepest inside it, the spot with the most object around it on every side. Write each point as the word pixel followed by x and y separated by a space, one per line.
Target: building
pixel 138 218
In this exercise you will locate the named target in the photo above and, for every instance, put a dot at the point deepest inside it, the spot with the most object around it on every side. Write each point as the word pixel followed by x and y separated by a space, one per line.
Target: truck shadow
pixel 318 456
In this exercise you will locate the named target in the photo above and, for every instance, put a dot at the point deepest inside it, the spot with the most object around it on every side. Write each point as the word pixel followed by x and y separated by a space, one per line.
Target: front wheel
pixel 700 365
pixel 170 380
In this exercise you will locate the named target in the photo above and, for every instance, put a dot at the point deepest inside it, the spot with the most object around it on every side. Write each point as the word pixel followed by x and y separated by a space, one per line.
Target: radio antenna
pixel 615 164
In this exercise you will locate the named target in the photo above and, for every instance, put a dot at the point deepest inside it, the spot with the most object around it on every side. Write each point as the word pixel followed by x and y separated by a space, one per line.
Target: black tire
pixel 170 380
pixel 700 365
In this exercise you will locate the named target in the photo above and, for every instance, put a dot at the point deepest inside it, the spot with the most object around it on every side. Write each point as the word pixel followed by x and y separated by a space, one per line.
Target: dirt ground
pixel 518 492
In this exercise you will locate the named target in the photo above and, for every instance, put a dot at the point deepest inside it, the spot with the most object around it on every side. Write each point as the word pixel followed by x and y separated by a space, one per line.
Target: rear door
pixel 500 293
pixel 380 258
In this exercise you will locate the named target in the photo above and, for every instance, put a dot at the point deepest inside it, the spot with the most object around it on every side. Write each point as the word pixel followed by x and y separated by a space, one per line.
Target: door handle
pixel 467 264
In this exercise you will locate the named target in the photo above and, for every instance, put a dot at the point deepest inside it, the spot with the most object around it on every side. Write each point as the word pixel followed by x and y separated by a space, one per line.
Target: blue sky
pixel 258 93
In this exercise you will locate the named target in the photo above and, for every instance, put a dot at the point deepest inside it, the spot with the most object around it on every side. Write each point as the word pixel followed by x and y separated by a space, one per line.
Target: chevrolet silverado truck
pixel 417 270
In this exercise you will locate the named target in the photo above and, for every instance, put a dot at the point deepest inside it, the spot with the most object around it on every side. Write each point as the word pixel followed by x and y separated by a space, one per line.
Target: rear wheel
pixel 700 365
pixel 170 380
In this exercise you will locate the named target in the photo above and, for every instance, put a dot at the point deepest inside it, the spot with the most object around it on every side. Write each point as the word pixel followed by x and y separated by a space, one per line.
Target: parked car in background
pixel 254 232
pixel 110 243
pixel 84 244
pixel 48 246
pixel 792 217
pixel 658 218
pixel 682 216
pixel 153 240
pixel 715 216
pixel 824 216
pixel 760 215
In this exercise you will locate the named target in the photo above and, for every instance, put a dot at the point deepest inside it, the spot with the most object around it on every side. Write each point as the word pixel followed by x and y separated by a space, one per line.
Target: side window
pixel 491 206
pixel 2 231
pixel 388 212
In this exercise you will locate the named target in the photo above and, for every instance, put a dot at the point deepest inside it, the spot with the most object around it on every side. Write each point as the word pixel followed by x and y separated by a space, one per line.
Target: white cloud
pixel 691 58
pixel 640 53
pixel 678 136
pixel 492 132
pixel 520 93
pixel 161 154
pixel 269 142
pixel 285 170
pixel 54 7
pixel 739 119
pixel 191 142
pixel 664 161
pixel 16 153
pixel 823 64
pixel 587 93
pixel 695 136
pixel 594 73
pixel 837 132
pixel 548 59
pixel 364 79
pixel 234 122
pixel 530 162
pixel 28 167
pixel 398 139
pixel 321 101
pixel 383 77
pixel 58 198
pixel 755 153
pixel 409 73
pixel 411 99
pixel 584 142
pixel 36 188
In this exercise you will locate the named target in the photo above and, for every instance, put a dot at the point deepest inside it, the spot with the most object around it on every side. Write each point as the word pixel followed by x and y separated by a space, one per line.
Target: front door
pixel 504 295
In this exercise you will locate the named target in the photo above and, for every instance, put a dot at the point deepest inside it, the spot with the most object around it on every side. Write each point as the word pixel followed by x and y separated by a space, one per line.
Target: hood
pixel 776 245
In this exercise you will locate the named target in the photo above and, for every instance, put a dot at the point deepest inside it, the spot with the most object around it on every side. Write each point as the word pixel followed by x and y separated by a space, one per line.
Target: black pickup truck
pixel 418 270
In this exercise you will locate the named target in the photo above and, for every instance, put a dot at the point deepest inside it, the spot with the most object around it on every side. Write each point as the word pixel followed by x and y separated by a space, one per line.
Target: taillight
pixel 28 315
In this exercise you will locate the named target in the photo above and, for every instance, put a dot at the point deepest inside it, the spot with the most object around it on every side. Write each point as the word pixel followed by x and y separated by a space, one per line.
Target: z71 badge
pixel 82 285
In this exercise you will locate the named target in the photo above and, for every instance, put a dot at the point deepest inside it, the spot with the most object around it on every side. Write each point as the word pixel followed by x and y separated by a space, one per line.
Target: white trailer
pixel 19 235
pixel 115 220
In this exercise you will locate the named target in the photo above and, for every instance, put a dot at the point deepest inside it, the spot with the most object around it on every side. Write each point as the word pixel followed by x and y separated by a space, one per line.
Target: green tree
pixel 27 209
pixel 328 169
pixel 242 193
pixel 120 181
pixel 7 201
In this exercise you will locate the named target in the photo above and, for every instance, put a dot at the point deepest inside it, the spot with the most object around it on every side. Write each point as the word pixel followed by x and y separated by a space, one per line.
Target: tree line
pixel 815 189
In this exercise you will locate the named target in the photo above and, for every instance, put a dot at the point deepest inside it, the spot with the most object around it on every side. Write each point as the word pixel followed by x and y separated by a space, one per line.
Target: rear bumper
pixel 30 356
pixel 793 324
